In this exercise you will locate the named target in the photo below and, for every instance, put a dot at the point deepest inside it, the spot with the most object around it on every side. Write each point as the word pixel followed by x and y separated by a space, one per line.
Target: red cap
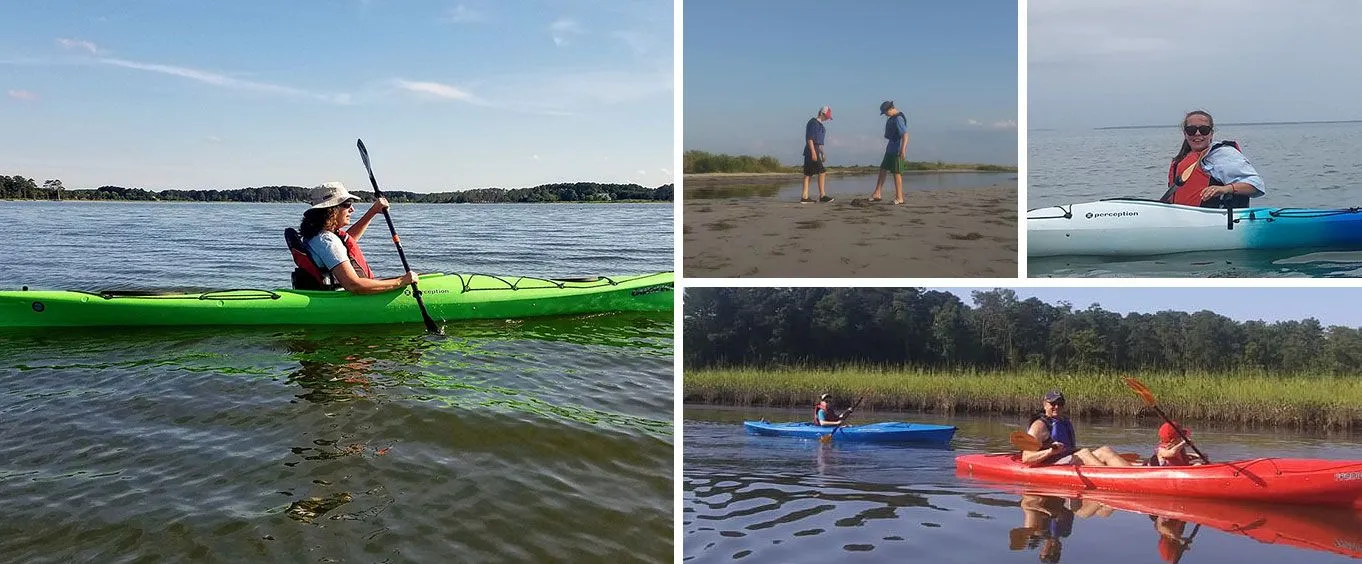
pixel 1167 434
pixel 826 111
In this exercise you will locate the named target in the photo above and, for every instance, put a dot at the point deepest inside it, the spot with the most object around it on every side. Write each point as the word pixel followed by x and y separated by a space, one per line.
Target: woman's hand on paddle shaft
pixel 1213 191
pixel 379 205
pixel 410 278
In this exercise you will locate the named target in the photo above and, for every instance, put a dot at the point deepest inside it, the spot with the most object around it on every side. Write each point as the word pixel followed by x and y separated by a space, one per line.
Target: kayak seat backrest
pixel 306 275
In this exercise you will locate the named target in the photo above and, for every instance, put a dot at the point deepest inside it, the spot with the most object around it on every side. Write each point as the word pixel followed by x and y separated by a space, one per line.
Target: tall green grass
pixel 1254 399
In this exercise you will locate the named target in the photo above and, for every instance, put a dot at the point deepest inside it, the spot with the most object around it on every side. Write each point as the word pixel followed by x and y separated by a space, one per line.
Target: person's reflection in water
pixel 1045 520
pixel 1171 543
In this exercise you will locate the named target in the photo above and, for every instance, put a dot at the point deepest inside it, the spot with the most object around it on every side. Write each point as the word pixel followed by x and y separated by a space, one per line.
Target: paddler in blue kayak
pixel 327 252
pixel 824 416
pixel 1055 431
pixel 1210 175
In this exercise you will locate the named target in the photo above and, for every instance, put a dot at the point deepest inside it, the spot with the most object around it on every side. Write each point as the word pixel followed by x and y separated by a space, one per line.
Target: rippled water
pixel 851 187
pixel 531 440
pixel 91 246
pixel 775 499
pixel 1303 165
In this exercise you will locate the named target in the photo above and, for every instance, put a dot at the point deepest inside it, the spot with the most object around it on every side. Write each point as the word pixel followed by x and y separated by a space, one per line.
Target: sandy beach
pixel 948 233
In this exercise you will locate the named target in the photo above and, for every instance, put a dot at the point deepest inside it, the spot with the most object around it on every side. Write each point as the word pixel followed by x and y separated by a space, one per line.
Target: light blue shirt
pixel 1229 166
pixel 328 250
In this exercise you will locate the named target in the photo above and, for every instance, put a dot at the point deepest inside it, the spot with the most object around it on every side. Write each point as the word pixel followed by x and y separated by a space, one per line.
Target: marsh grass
pixel 1249 398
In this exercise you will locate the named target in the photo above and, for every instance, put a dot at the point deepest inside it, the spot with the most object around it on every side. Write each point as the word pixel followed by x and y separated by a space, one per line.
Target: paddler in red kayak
pixel 1172 450
pixel 1210 175
pixel 1055 431
pixel 330 256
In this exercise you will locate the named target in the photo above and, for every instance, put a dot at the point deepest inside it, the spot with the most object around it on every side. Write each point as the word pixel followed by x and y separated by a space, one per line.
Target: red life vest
pixel 1186 180
pixel 313 277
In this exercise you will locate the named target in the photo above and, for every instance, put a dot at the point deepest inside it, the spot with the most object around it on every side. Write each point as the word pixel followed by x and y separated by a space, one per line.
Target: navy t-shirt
pixel 814 130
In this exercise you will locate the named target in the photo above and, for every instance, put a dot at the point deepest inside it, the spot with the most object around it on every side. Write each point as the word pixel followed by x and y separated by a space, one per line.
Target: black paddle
pixel 415 292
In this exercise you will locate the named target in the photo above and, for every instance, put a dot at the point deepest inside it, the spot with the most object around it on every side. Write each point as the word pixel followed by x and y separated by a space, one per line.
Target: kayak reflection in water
pixel 330 256
pixel 1055 431
pixel 1210 175
pixel 823 415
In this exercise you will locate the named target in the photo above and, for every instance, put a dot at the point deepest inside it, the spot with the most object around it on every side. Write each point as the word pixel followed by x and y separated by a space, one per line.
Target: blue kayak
pixel 889 432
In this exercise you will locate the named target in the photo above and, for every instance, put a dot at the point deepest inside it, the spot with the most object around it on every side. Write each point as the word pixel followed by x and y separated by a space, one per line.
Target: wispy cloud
pixel 23 95
pixel 464 14
pixel 213 139
pixel 79 44
pixel 642 44
pixel 224 81
pixel 1001 124
pixel 438 90
pixel 564 30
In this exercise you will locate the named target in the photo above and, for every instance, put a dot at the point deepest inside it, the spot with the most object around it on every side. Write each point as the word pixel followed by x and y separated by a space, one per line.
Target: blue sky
pixel 1331 306
pixel 757 70
pixel 1148 62
pixel 447 95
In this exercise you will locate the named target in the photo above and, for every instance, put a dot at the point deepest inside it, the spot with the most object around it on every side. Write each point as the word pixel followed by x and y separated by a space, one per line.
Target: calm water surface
pixel 775 499
pixel 852 187
pixel 529 440
pixel 1303 165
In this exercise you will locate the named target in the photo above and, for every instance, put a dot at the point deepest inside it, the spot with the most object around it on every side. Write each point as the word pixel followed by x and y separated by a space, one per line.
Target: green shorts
pixel 893 163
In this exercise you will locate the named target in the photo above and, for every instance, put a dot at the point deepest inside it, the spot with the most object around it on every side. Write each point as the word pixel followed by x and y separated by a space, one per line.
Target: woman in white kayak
pixel 1055 431
pixel 1210 175
pixel 330 255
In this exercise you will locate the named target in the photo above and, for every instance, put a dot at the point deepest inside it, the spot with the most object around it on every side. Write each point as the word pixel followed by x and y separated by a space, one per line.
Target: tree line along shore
pixel 20 188
pixel 701 162
pixel 910 349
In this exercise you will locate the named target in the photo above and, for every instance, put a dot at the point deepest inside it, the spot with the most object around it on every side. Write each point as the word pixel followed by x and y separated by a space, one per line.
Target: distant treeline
pixel 910 327
pixel 20 188
pixel 700 162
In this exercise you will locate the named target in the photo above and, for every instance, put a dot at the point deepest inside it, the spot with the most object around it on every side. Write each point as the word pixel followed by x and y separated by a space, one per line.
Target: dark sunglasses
pixel 1197 129
pixel 1057 403
pixel 346 205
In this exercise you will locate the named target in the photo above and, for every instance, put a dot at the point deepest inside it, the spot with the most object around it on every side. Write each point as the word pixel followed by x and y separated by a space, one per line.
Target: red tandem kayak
pixel 1306 481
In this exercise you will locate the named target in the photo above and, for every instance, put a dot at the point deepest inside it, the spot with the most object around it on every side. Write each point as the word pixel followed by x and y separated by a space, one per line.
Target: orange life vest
pixel 1186 180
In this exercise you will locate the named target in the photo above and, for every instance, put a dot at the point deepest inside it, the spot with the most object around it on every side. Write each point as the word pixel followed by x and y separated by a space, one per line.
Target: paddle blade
pixel 1142 390
pixel 1023 441
pixel 364 154
pixel 825 439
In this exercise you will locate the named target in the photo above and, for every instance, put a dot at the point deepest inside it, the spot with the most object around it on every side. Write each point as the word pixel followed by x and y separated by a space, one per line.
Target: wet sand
pixel 947 233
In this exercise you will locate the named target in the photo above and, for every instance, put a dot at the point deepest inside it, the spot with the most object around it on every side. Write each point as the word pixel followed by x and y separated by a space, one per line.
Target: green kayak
pixel 448 297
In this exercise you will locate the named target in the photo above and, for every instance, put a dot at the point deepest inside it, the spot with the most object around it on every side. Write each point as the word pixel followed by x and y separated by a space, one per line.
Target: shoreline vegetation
pixel 20 188
pixel 1253 399
pixel 696 162
pixel 916 349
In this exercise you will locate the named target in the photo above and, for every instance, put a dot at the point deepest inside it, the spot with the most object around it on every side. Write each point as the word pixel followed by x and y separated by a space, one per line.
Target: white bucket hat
pixel 329 194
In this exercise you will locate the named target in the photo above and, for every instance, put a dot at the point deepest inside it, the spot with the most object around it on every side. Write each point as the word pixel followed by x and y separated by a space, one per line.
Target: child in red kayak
pixel 1172 449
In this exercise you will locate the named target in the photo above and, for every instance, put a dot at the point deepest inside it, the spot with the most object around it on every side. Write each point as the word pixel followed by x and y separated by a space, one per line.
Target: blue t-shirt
pixel 327 249
pixel 814 130
pixel 894 130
